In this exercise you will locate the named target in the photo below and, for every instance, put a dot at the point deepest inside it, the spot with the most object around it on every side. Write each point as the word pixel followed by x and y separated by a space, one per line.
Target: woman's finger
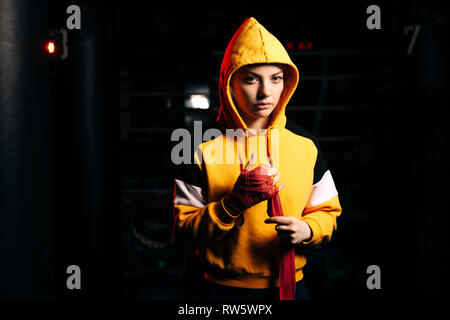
pixel 272 171
pixel 267 170
pixel 250 162
pixel 277 178
pixel 284 228
pixel 279 220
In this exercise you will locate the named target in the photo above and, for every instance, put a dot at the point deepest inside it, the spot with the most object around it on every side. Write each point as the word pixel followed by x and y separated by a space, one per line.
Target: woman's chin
pixel 262 113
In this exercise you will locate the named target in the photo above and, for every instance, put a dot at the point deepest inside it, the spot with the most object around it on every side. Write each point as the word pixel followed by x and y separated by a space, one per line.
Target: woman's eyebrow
pixel 258 75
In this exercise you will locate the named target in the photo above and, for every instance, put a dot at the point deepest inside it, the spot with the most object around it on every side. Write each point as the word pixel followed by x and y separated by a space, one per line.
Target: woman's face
pixel 256 89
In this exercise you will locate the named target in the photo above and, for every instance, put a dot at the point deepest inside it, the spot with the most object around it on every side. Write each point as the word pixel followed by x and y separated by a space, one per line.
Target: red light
pixel 309 45
pixel 290 46
pixel 301 46
pixel 51 47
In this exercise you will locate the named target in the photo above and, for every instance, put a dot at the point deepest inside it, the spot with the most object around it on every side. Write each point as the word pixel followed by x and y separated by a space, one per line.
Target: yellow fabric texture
pixel 242 251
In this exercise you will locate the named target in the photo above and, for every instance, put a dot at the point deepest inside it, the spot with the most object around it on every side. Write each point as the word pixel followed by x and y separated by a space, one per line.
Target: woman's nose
pixel 264 90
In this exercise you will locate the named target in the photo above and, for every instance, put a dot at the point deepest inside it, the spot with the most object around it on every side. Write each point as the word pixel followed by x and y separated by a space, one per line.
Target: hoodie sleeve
pixel 197 221
pixel 323 206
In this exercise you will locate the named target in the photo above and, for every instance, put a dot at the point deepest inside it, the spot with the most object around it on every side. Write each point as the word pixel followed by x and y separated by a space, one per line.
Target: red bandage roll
pixel 287 255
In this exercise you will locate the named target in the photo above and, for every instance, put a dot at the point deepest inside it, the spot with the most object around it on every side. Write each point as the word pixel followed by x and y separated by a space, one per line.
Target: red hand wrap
pixel 251 188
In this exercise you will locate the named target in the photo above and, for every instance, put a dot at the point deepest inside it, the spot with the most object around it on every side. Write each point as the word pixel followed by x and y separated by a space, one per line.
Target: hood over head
pixel 253 44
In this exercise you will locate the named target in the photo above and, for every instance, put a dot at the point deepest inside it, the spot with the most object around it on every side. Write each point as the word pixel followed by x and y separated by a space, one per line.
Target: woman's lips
pixel 263 106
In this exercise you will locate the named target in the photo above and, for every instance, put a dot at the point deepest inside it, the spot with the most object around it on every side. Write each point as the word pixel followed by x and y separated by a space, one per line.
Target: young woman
pixel 249 232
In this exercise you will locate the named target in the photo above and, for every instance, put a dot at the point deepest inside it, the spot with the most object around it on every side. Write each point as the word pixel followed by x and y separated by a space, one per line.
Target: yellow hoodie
pixel 242 251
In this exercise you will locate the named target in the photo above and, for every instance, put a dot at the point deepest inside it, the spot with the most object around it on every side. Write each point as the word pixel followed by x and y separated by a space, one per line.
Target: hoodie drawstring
pixel 269 131
pixel 247 145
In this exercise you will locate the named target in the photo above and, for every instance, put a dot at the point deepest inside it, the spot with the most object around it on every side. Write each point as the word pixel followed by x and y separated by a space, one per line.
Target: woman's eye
pixel 250 79
pixel 277 78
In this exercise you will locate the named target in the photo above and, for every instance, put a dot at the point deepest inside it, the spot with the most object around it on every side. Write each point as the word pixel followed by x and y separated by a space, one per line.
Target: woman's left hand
pixel 291 229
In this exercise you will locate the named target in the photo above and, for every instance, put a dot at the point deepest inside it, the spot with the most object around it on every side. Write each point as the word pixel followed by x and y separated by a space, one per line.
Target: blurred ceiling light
pixel 199 101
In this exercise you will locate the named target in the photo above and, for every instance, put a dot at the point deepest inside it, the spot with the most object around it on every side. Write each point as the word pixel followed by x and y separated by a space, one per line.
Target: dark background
pixel 86 174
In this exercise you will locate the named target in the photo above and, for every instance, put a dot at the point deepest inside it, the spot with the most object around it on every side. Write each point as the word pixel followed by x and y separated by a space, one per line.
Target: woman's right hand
pixel 252 187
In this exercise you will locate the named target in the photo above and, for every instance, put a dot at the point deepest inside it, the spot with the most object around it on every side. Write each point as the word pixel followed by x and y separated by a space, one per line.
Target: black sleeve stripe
pixel 320 166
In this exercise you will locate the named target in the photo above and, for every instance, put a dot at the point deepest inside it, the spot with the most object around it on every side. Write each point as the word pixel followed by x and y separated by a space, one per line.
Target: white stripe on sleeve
pixel 188 194
pixel 322 191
